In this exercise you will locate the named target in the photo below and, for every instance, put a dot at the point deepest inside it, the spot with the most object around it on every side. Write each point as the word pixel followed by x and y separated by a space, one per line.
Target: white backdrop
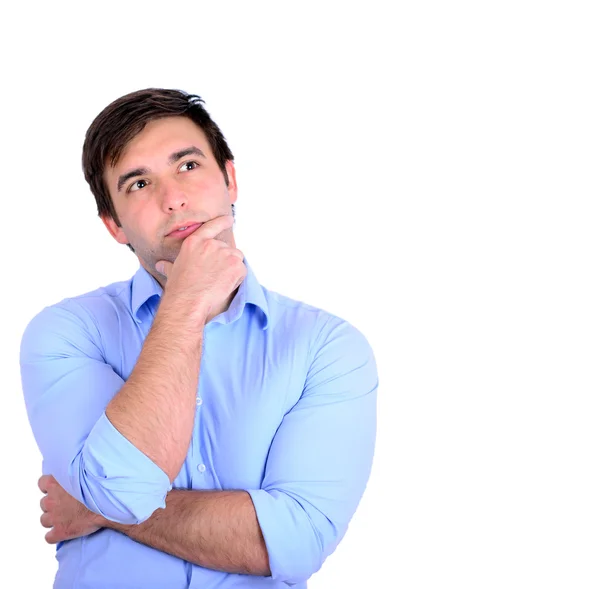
pixel 427 171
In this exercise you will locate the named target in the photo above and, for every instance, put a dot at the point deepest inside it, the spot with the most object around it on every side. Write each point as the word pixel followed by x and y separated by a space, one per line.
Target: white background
pixel 427 171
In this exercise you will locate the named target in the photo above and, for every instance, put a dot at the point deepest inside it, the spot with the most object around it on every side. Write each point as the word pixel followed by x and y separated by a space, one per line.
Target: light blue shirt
pixel 285 410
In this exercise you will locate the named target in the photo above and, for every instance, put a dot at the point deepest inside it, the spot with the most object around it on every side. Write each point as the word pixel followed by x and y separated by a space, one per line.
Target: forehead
pixel 162 137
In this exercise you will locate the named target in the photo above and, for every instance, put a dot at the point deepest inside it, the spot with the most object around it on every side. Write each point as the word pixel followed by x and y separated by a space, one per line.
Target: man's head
pixel 154 159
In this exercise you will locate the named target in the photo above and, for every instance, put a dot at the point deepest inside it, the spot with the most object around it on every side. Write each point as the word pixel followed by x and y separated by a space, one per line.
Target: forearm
pixel 214 529
pixel 155 408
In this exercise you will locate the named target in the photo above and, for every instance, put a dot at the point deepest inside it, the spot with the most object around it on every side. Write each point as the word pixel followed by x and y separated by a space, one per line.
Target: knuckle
pixel 210 245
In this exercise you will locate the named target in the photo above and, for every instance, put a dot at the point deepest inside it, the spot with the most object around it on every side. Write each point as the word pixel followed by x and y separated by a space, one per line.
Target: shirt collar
pixel 145 286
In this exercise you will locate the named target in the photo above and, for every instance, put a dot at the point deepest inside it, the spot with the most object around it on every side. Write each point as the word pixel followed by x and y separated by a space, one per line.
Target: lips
pixel 185 232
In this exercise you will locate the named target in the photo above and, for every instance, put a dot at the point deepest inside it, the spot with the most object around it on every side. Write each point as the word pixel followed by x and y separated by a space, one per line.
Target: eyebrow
pixel 192 150
pixel 131 174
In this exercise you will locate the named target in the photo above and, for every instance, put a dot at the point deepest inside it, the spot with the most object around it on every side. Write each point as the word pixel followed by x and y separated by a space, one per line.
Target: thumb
pixel 164 267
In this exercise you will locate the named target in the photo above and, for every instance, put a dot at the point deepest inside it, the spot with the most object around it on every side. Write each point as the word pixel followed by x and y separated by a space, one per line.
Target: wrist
pixel 183 312
pixel 102 522
pixel 117 527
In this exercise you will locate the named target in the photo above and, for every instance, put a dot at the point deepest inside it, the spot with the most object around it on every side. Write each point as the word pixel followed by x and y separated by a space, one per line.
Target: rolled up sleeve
pixel 320 459
pixel 67 385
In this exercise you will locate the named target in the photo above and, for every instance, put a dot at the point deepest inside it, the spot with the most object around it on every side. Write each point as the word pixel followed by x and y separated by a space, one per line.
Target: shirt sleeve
pixel 321 456
pixel 67 385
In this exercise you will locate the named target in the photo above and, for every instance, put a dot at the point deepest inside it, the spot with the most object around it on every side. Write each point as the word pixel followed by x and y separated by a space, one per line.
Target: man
pixel 197 429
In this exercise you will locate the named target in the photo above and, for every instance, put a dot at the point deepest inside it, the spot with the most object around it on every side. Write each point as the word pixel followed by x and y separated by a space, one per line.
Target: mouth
pixel 184 231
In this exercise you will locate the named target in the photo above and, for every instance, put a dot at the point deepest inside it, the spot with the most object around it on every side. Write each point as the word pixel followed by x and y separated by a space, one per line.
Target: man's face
pixel 166 176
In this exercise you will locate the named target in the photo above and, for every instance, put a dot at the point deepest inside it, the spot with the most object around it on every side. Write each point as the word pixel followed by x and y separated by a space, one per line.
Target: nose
pixel 173 197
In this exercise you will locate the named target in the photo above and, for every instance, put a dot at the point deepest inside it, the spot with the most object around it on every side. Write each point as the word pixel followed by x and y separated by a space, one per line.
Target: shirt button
pixel 201 468
pixel 198 401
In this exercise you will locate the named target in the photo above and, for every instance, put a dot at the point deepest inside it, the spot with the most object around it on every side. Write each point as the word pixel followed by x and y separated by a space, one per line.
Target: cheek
pixel 206 185
pixel 140 227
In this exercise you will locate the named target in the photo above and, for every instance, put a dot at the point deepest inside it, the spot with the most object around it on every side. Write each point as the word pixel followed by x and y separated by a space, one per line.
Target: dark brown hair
pixel 123 119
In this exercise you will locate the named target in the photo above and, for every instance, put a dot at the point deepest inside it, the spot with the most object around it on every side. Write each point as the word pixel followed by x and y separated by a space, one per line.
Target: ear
pixel 114 229
pixel 232 188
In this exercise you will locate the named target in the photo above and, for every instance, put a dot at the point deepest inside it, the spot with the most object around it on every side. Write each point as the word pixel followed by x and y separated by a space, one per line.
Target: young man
pixel 197 429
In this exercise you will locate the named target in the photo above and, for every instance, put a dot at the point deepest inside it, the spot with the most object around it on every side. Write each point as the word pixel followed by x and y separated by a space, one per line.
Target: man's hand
pixel 207 269
pixel 64 514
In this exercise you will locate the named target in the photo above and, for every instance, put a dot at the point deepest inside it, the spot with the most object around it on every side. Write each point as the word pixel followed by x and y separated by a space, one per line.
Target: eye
pixel 137 185
pixel 188 166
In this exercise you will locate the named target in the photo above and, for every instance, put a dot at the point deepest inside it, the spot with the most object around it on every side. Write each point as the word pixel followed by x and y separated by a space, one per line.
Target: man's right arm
pixel 117 446
pixel 113 445
pixel 155 408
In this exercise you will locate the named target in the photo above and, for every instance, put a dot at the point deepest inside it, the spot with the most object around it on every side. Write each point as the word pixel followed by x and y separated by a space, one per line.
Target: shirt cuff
pixel 117 480
pixel 293 543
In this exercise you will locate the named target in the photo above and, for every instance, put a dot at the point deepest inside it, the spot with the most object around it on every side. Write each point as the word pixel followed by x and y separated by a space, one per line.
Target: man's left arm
pixel 213 529
pixel 321 457
pixel 316 473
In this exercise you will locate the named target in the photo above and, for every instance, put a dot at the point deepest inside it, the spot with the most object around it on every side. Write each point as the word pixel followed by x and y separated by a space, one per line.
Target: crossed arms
pixel 214 529
pixel 286 528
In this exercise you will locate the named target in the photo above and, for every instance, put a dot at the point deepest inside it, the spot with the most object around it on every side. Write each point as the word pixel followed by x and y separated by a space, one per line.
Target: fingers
pixel 237 284
pixel 237 253
pixel 212 228
pixel 51 537
pixel 43 483
pixel 164 267
pixel 46 520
